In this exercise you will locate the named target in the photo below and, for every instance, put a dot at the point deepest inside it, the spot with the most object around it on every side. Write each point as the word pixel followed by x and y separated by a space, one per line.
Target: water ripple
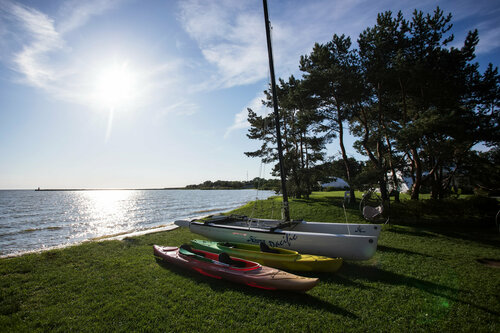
pixel 37 220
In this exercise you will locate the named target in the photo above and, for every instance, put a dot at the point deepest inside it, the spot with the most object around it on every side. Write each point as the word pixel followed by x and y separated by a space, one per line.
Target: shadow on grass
pixel 330 202
pixel 480 235
pixel 485 236
pixel 418 233
pixel 391 249
pixel 216 285
pixel 373 274
pixel 323 201
pixel 130 241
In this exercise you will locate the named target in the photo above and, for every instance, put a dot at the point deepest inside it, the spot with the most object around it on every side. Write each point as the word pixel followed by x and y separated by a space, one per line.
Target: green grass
pixel 420 279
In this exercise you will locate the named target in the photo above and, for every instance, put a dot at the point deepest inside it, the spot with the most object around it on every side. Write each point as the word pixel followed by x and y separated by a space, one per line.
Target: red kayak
pixel 222 266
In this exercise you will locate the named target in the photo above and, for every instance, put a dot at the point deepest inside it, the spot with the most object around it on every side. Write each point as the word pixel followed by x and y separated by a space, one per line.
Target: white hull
pixel 336 228
pixel 322 242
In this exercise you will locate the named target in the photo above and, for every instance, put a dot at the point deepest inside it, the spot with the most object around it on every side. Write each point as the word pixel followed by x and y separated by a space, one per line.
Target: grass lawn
pixel 421 279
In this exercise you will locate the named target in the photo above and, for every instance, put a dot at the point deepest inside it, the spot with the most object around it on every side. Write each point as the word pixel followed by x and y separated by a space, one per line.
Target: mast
pixel 286 210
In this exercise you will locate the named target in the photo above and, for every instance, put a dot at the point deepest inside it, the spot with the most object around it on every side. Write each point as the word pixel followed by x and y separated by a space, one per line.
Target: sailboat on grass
pixel 345 240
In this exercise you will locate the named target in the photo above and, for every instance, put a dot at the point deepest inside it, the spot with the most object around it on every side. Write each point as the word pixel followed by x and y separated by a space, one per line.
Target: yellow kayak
pixel 272 256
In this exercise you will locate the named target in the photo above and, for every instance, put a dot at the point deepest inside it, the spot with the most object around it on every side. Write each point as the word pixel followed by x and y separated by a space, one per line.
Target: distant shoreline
pixel 108 189
pixel 126 189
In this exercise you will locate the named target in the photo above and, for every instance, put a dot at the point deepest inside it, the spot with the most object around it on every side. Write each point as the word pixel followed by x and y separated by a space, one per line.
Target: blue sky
pixel 135 94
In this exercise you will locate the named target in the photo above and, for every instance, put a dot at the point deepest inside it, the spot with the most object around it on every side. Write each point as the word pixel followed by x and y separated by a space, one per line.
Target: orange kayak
pixel 222 266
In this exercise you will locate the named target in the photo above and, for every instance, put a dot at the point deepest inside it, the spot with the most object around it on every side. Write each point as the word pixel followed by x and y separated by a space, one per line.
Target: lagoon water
pixel 36 220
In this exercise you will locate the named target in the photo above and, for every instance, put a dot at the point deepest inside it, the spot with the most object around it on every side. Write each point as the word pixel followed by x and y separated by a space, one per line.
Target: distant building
pixel 337 183
pixel 404 183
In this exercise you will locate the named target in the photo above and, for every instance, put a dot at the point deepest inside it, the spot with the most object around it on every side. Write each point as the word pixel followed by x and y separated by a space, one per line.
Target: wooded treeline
pixel 256 183
pixel 416 105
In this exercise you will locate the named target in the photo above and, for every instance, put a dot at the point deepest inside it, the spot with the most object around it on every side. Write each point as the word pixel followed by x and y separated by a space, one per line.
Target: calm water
pixel 35 220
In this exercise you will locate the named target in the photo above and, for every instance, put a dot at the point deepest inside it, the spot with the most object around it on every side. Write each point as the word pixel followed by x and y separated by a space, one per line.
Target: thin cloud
pixel 240 119
pixel 34 40
pixel 230 35
pixel 183 108
pixel 231 38
pixel 489 39
pixel 43 38
pixel 76 13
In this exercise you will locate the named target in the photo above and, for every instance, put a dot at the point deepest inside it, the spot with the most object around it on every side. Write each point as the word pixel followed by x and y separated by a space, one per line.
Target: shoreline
pixel 128 189
pixel 58 242
pixel 105 189
pixel 116 236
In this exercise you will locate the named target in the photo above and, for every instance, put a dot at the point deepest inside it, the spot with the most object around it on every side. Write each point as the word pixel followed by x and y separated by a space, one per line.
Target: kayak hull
pixel 258 276
pixel 285 259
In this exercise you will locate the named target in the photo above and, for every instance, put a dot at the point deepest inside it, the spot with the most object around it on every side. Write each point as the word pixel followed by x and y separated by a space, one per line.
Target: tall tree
pixel 379 49
pixel 426 99
pixel 332 72
pixel 416 105
pixel 303 143
pixel 440 120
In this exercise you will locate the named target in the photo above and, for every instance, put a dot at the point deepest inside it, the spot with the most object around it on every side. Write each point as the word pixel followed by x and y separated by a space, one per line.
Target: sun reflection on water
pixel 106 212
pixel 39 220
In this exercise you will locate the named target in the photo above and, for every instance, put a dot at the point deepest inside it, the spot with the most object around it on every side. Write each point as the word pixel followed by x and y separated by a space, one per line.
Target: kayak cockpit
pixel 221 259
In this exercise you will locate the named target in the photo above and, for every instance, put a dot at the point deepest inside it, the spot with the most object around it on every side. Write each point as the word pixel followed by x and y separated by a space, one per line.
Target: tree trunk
pixel 376 161
pixel 309 189
pixel 352 195
pixel 380 153
pixel 435 187
pixel 383 190
pixel 395 179
pixel 417 167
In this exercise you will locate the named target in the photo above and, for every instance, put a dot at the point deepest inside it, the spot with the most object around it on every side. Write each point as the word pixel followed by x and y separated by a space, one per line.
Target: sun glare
pixel 115 86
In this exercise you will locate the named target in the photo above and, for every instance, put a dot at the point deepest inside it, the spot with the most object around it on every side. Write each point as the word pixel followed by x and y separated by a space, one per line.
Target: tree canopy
pixel 416 106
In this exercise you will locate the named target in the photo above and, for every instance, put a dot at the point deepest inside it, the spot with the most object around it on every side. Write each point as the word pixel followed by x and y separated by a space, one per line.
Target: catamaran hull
pixel 349 247
pixel 339 228
pixel 361 229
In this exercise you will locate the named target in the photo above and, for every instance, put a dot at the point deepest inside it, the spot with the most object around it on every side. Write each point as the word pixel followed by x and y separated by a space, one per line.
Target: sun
pixel 115 86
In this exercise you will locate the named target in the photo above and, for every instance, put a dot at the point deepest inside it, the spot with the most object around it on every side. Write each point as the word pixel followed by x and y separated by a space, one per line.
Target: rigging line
pixel 257 192
pixel 262 166
pixel 345 213
pixel 260 179
pixel 262 201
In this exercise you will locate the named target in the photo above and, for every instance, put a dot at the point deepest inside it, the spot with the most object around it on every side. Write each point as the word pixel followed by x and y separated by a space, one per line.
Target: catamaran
pixel 345 240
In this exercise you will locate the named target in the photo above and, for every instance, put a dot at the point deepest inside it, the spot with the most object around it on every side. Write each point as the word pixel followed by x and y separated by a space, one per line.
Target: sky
pixel 152 94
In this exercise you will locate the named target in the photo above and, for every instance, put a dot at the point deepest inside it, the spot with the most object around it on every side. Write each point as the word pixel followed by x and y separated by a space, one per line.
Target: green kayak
pixel 271 256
